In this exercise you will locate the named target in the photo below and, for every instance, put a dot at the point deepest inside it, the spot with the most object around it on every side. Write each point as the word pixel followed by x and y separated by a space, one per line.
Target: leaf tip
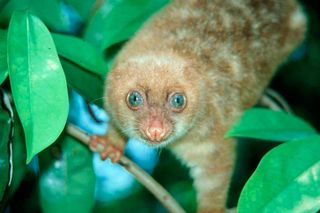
pixel 29 158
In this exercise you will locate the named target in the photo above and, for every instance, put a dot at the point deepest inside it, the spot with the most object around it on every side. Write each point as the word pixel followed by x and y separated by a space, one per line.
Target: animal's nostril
pixel 148 133
pixel 155 133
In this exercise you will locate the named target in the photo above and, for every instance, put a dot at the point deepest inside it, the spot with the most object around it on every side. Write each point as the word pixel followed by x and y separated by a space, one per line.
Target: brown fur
pixel 221 54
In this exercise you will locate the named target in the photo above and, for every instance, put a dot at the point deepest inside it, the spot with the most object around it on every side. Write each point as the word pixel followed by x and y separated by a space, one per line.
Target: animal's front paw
pixel 106 148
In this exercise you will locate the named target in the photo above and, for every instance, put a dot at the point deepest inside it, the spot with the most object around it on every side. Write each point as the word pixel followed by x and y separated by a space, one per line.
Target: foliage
pixel 42 65
pixel 104 31
pixel 4 138
pixel 70 170
pixel 286 179
pixel 36 73
pixel 48 47
pixel 269 125
pixel 3 55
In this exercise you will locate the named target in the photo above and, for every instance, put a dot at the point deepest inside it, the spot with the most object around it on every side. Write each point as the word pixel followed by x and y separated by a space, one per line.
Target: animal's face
pixel 154 99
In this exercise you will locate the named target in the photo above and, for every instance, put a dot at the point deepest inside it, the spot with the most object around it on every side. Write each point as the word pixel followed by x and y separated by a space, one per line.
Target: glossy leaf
pixel 67 179
pixel 49 11
pixel 19 156
pixel 3 56
pixel 286 180
pixel 81 53
pixel 270 125
pixel 118 20
pixel 37 80
pixel 89 85
pixel 3 3
pixel 18 159
pixel 83 7
pixel 5 127
pixel 17 172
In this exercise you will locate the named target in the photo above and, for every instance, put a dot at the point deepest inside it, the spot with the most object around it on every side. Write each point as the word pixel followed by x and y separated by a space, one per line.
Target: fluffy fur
pixel 221 54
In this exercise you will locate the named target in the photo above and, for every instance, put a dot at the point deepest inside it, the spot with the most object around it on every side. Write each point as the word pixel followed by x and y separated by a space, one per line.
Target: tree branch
pixel 144 178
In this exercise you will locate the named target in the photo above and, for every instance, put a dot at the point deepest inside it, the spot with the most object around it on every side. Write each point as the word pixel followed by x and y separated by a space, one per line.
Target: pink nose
pixel 155 133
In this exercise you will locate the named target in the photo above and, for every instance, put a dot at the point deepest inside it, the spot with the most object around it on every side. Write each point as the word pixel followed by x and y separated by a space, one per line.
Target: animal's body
pixel 188 75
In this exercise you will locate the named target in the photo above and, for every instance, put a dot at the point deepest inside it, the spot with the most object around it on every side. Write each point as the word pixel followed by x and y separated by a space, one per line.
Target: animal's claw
pixel 106 148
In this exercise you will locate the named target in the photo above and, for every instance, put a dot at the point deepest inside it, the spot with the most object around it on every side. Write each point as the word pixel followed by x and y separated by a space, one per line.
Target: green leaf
pixel 5 127
pixel 3 56
pixel 3 3
pixel 49 11
pixel 85 69
pixel 88 84
pixel 17 154
pixel 81 53
pixel 67 179
pixel 286 180
pixel 270 125
pixel 13 149
pixel 118 20
pixel 18 159
pixel 84 7
pixel 37 80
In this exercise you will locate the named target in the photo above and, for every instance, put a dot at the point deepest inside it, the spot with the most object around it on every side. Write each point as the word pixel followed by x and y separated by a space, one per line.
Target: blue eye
pixel 134 100
pixel 177 101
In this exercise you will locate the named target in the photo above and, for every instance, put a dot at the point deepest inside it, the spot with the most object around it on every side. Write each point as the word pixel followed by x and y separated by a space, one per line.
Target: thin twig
pixel 144 178
pixel 268 102
pixel 276 96
pixel 274 101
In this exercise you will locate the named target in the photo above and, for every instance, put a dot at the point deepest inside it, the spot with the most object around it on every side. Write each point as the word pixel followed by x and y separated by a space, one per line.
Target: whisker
pixel 95 100
pixel 159 151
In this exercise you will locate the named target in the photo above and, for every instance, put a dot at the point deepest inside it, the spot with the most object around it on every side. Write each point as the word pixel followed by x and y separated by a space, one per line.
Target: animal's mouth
pixel 155 140
pixel 156 144
pixel 155 131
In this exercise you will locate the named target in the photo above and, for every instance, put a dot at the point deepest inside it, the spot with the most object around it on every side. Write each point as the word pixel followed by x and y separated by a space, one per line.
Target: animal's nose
pixel 155 130
pixel 155 134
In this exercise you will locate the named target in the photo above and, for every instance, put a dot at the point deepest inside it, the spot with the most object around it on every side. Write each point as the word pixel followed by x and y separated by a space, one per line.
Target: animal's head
pixel 154 98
